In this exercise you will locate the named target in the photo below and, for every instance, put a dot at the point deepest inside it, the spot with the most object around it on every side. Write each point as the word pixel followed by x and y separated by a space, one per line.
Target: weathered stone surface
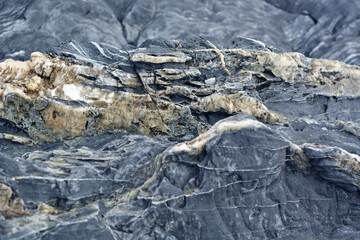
pixel 27 25
pixel 179 139
pixel 335 32
pixel 168 88
pixel 206 135
pixel 319 29
pixel 10 206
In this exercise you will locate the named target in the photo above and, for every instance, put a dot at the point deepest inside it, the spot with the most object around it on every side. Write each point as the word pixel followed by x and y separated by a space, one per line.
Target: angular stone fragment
pixel 47 209
pixel 336 165
pixel 10 206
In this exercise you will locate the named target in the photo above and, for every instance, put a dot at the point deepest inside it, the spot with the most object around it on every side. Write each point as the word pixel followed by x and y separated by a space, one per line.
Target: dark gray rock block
pixel 243 184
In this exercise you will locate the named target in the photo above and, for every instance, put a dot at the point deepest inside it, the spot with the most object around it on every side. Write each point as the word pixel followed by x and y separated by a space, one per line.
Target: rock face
pixel 192 138
pixel 319 29
pixel 209 134
pixel 168 88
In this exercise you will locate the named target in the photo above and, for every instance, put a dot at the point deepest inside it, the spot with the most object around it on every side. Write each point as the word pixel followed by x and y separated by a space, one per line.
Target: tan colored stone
pixel 9 206
pixel 47 209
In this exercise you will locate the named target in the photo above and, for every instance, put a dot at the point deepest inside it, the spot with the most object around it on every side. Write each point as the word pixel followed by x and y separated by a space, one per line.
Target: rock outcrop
pixel 319 29
pixel 179 139
pixel 166 87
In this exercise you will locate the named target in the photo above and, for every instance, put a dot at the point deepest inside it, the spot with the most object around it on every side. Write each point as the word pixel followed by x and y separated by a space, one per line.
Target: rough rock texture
pixel 192 138
pixel 168 88
pixel 321 29
pixel 209 134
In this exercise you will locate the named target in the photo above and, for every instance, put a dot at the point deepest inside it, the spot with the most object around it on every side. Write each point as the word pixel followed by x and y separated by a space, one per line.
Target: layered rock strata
pixel 164 87
pixel 179 139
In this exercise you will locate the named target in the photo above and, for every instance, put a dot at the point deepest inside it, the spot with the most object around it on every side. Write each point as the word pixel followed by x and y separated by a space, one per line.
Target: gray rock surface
pixel 287 169
pixel 114 136
pixel 319 29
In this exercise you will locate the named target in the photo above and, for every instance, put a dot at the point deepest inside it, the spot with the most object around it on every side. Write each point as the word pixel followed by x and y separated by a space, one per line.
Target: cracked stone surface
pixel 119 134
pixel 190 138
pixel 320 29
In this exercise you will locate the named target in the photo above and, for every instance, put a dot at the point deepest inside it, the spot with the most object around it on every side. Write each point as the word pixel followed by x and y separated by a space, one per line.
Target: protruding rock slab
pixel 164 87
